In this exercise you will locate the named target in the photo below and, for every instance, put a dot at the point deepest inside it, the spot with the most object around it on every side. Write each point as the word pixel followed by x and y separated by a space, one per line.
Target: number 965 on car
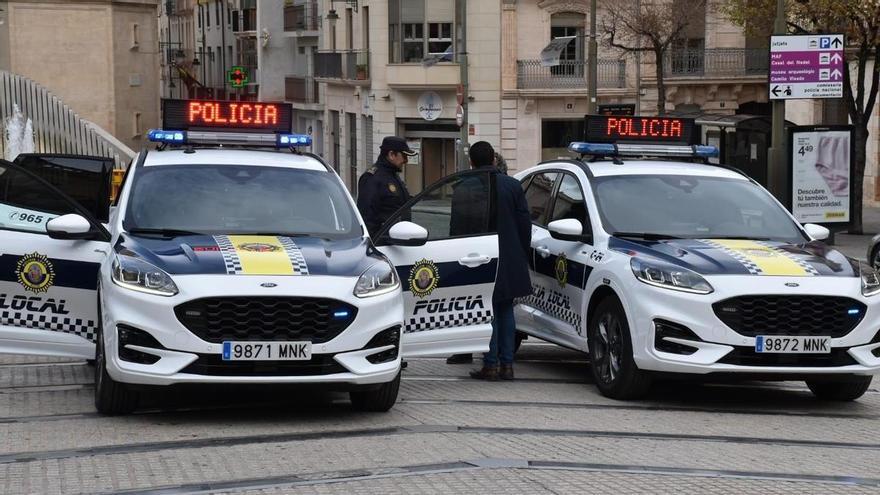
pixel 267 351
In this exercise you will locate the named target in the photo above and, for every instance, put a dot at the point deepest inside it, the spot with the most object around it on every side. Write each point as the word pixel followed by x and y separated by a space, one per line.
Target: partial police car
pixel 653 262
pixel 224 263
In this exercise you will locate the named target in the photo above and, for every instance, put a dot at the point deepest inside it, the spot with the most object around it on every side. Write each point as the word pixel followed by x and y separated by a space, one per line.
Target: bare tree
pixel 859 21
pixel 649 26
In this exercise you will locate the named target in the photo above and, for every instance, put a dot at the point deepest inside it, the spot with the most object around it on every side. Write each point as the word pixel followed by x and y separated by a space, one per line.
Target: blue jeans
pixel 503 335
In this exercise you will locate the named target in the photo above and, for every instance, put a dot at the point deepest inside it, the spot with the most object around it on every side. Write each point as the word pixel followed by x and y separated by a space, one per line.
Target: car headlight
pixel 870 280
pixel 136 274
pixel 381 278
pixel 661 274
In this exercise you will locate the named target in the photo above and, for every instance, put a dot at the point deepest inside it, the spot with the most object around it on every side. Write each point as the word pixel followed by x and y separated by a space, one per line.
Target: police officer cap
pixel 395 143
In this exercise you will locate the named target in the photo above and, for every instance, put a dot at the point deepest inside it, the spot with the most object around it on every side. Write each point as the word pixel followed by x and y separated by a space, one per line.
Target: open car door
pixel 51 247
pixel 448 272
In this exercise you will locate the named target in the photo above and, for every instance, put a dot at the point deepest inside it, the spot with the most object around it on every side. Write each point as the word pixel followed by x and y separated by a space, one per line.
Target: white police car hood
pixel 252 254
pixel 743 257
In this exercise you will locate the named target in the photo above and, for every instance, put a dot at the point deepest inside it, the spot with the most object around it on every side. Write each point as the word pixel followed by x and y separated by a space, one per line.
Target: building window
pixel 419 28
pixel 200 16
pixel 413 43
pixel 217 12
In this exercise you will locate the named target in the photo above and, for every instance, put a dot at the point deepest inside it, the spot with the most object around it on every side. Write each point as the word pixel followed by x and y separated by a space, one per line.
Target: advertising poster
pixel 820 175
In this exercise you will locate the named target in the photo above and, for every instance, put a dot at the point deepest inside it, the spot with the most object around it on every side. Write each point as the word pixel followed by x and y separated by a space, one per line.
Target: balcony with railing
pixel 301 90
pixel 714 63
pixel 350 65
pixel 569 75
pixel 301 20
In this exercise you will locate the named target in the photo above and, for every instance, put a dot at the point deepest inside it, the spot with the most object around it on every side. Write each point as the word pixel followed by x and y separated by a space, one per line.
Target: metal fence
pixel 301 89
pixel 302 17
pixel 350 64
pixel 717 62
pixel 57 128
pixel 569 74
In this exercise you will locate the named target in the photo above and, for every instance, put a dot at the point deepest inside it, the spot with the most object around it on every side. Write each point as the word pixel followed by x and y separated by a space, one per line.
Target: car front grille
pixel 790 315
pixel 213 365
pixel 219 319
pixel 746 356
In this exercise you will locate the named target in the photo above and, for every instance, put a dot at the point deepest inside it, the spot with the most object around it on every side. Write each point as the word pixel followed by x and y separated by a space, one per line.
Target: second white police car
pixel 654 262
pixel 240 266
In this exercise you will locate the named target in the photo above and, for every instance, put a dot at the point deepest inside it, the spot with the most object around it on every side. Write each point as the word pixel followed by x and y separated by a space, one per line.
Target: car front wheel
pixel 376 400
pixel 111 397
pixel 611 353
pixel 841 389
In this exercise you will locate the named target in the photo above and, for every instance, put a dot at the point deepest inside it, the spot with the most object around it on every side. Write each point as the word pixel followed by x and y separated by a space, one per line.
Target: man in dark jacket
pixel 512 281
pixel 381 192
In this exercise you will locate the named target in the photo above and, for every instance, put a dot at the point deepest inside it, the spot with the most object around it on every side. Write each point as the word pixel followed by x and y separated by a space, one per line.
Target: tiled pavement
pixel 548 432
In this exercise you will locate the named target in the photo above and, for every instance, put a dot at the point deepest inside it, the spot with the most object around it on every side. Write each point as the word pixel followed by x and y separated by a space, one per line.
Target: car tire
pixel 518 340
pixel 844 390
pixel 611 355
pixel 111 397
pixel 380 399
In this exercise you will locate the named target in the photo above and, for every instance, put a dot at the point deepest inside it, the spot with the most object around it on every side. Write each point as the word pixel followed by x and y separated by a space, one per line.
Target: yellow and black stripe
pixel 261 255
pixel 763 259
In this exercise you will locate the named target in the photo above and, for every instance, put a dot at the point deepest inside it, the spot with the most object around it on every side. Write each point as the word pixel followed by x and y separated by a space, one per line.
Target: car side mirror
pixel 567 229
pixel 817 232
pixel 70 226
pixel 407 234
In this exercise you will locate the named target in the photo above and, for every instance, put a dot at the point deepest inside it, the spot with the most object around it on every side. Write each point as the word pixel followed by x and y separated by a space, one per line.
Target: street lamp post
pixel 776 167
pixel 592 64
pixel 463 68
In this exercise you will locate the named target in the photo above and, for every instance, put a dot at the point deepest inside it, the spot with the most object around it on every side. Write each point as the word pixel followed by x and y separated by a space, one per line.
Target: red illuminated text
pixel 643 128
pixel 232 114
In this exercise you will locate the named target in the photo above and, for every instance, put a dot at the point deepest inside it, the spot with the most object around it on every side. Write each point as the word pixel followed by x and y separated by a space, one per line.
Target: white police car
pixel 669 266
pixel 221 265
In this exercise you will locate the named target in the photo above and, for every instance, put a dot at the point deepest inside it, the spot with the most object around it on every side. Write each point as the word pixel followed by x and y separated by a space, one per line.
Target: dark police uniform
pixel 381 192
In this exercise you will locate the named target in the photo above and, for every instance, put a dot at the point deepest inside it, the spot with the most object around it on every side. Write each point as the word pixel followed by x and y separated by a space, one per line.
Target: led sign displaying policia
pixel 615 129
pixel 238 115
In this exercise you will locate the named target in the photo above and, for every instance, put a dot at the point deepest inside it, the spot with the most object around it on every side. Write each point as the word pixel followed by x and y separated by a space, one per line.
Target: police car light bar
pixel 230 138
pixel 655 150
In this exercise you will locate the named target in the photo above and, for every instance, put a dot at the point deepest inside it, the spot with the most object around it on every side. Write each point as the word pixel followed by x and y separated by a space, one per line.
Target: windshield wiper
pixel 738 237
pixel 648 236
pixel 278 234
pixel 162 232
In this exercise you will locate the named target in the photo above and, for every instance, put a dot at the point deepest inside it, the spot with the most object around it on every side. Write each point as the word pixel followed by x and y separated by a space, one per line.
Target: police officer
pixel 380 190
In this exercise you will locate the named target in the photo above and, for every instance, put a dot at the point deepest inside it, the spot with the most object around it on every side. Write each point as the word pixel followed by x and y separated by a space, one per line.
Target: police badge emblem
pixel 35 272
pixel 258 247
pixel 423 278
pixel 392 188
pixel 561 270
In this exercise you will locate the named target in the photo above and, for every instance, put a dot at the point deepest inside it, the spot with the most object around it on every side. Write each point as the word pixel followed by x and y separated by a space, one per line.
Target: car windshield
pixel 231 199
pixel 673 206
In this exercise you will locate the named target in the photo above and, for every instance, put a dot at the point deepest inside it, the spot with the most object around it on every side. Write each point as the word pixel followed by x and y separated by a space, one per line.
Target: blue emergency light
pixel 294 140
pixel 646 150
pixel 228 138
pixel 168 137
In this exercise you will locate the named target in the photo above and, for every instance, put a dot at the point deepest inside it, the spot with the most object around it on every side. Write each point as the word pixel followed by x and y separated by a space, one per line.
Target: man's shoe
pixel 460 359
pixel 506 372
pixel 486 373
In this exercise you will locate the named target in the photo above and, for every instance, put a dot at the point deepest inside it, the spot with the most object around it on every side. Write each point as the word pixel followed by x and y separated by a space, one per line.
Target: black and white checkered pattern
pixel 573 318
pixel 424 323
pixel 230 257
pixel 742 259
pixel 810 269
pixel 86 329
pixel 295 255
